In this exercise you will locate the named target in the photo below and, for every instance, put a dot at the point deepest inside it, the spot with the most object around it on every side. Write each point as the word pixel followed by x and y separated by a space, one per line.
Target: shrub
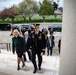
pixel 17 20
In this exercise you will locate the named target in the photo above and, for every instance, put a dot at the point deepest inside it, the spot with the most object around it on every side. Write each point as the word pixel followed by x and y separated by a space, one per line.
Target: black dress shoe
pixel 25 60
pixel 23 65
pixel 18 68
pixel 30 60
pixel 35 70
pixel 50 54
pixel 39 68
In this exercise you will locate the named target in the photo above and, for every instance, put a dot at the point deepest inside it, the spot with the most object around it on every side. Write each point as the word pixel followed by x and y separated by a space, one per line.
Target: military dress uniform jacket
pixel 37 42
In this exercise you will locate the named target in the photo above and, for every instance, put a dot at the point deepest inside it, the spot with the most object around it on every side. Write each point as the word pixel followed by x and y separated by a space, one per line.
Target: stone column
pixel 68 47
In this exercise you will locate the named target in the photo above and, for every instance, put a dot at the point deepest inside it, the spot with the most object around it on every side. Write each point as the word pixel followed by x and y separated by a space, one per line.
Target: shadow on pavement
pixel 42 71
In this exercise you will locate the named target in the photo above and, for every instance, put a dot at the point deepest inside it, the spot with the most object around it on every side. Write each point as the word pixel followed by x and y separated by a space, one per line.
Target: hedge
pixel 32 21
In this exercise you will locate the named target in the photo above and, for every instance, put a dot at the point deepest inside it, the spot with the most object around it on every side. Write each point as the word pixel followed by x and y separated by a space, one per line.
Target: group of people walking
pixel 34 44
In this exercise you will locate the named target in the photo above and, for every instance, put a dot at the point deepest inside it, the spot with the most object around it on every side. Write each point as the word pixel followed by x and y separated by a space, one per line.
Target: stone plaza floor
pixel 8 65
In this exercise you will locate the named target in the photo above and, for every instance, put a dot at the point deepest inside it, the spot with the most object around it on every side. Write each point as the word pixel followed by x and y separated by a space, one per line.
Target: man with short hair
pixel 49 45
pixel 37 46
pixel 27 45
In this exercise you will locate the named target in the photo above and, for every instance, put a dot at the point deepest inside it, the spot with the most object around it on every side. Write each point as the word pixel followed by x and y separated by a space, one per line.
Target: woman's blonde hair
pixel 16 32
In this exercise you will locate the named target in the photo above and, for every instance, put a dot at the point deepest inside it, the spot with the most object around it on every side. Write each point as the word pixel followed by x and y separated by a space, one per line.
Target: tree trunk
pixel 24 18
pixel 12 20
pixel 3 19
pixel 29 19
pixel 55 16
pixel 43 18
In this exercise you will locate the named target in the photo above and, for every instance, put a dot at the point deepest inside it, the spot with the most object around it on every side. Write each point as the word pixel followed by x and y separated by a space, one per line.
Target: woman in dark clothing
pixel 18 44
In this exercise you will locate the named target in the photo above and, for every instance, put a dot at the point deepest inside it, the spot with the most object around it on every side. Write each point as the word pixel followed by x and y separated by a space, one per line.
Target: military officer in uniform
pixel 37 47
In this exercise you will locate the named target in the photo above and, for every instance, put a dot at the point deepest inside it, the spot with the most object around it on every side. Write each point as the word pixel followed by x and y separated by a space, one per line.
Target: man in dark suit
pixel 27 45
pixel 23 30
pixel 51 35
pixel 49 45
pixel 37 47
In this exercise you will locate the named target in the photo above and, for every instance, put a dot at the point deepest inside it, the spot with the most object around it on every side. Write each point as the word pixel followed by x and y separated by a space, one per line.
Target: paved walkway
pixel 8 65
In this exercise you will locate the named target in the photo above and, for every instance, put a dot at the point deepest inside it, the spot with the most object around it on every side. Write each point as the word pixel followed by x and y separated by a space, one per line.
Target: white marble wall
pixel 68 50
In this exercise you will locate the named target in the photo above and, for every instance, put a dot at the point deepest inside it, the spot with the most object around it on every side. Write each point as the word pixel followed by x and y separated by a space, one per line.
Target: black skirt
pixel 19 55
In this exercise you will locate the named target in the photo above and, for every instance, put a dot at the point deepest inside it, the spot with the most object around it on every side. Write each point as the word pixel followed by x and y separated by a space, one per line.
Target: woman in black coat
pixel 18 45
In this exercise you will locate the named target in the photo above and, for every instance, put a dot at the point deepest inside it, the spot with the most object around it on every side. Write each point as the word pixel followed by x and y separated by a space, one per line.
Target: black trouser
pixel 34 60
pixel 59 50
pixel 29 55
pixel 49 49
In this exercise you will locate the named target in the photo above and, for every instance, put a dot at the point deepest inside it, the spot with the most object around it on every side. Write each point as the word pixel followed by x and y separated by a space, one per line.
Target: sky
pixel 9 3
